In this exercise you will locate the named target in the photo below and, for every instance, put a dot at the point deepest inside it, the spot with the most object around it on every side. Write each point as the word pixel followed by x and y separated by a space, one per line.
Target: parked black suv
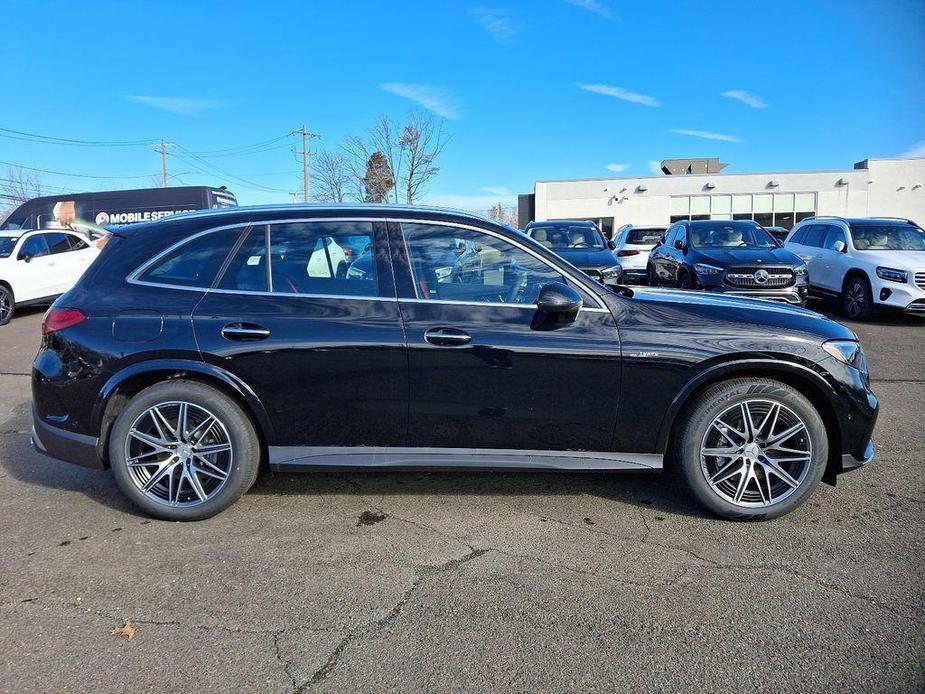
pixel 582 244
pixel 733 257
pixel 200 347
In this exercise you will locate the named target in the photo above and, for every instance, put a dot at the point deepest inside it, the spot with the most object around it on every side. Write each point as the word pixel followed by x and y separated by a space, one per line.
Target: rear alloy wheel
pixel 7 305
pixel 752 449
pixel 857 302
pixel 684 280
pixel 651 277
pixel 183 451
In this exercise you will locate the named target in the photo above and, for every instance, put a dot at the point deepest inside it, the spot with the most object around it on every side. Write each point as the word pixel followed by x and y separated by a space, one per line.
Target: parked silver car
pixel 632 246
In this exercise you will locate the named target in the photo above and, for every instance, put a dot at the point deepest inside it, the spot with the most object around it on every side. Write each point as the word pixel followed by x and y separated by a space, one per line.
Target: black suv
pixel 733 257
pixel 201 347
pixel 582 244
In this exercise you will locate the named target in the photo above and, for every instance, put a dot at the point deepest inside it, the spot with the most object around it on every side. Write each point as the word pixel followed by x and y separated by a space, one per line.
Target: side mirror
pixel 679 244
pixel 611 245
pixel 25 257
pixel 556 298
pixel 840 246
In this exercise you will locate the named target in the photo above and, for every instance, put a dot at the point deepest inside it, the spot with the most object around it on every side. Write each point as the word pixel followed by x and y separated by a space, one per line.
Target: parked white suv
pixel 866 263
pixel 632 246
pixel 37 266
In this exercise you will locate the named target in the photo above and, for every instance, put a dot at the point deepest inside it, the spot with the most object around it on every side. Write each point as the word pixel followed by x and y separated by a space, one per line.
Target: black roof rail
pixel 896 219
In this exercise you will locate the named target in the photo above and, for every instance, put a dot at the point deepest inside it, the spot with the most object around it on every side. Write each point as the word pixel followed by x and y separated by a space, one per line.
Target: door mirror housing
pixel 840 246
pixel 556 298
pixel 26 257
pixel 679 244
pixel 611 245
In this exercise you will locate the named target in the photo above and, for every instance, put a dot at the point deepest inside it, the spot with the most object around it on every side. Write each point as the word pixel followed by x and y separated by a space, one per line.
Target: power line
pixel 215 168
pixel 48 139
pixel 73 175
pixel 229 151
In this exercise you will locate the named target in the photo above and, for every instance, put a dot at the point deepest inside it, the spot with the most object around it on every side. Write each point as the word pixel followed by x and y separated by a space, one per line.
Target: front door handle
pixel 447 337
pixel 245 331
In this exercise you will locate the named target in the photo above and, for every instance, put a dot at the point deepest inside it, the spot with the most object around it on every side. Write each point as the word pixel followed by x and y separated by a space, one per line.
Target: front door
pixel 318 339
pixel 485 373
pixel 35 273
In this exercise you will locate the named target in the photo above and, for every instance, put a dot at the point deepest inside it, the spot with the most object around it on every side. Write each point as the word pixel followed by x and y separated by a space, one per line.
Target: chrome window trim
pixel 132 277
pixel 530 251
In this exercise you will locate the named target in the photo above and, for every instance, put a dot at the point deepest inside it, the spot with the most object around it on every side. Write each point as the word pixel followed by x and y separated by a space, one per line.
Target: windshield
pixel 728 235
pixel 887 237
pixel 644 237
pixel 7 244
pixel 568 237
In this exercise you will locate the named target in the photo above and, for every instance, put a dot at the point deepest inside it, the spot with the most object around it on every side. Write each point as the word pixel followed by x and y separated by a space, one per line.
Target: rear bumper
pixel 849 462
pixel 68 446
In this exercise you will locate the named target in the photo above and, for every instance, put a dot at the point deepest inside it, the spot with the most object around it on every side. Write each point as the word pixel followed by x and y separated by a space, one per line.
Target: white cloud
pixel 183 105
pixel 706 135
pixel 621 93
pixel 746 98
pixel 498 24
pixel 475 203
pixel 617 168
pixel 440 101
pixel 498 190
pixel 655 166
pixel 592 6
pixel 918 150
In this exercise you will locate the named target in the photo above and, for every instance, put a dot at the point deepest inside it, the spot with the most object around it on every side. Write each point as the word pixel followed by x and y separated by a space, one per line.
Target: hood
pixel 584 257
pixel 724 257
pixel 900 260
pixel 775 316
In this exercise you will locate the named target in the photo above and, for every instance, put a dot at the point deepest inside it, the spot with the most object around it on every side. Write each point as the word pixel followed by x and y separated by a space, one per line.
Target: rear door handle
pixel 447 337
pixel 245 331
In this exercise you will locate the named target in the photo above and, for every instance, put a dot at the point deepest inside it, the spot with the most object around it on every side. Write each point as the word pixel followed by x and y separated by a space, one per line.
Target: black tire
pixel 244 461
pixel 7 304
pixel 684 280
pixel 857 301
pixel 651 277
pixel 698 418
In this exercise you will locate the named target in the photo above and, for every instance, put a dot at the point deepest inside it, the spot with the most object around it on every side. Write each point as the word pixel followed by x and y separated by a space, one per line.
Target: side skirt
pixel 294 458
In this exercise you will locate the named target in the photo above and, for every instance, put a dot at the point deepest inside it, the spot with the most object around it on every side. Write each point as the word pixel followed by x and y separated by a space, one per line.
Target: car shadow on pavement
pixel 662 492
pixel 24 464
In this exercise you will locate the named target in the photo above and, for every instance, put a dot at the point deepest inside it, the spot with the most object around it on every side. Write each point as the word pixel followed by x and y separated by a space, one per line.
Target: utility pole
pixel 303 131
pixel 163 152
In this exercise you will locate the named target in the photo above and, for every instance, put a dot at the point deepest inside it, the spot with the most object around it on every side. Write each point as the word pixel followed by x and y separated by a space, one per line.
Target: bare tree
pixel 18 186
pixel 332 176
pixel 378 180
pixel 422 141
pixel 502 213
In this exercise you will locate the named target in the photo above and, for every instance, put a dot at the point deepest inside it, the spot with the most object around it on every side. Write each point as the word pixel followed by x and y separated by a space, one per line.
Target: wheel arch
pixel 853 272
pixel 6 283
pixel 803 378
pixel 127 383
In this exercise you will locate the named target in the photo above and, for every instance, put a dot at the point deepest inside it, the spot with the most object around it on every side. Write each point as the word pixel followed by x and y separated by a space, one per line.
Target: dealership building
pixel 697 189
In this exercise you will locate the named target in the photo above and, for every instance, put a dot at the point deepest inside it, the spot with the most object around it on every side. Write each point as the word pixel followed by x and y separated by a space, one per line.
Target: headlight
pixel 703 269
pixel 847 352
pixel 612 272
pixel 892 274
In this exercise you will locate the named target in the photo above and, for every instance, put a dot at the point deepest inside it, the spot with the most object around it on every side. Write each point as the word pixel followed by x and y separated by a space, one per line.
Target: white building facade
pixel 874 187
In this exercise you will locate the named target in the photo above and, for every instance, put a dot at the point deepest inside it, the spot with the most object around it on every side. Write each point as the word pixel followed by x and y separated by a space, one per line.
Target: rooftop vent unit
pixel 683 167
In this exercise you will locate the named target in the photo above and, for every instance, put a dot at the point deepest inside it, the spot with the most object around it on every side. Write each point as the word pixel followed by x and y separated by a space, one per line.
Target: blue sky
pixel 531 90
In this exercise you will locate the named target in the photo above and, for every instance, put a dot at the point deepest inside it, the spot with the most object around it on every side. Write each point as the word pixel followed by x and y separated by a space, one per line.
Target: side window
pixel 798 235
pixel 833 235
pixel 248 270
pixel 680 235
pixel 34 247
pixel 670 236
pixel 76 243
pixel 58 243
pixel 456 264
pixel 326 258
pixel 196 262
pixel 814 236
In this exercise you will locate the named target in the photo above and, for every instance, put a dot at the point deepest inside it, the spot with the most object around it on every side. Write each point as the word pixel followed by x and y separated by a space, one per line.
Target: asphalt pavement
pixel 466 581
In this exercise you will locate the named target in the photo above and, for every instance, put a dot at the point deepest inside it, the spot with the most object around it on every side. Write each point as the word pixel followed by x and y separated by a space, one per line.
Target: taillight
pixel 60 318
pixel 624 253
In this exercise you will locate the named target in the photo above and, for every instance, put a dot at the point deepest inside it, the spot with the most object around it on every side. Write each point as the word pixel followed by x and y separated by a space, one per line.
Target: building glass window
pixel 680 207
pixel 679 217
pixel 804 202
pixel 765 219
pixel 762 203
pixel 783 219
pixel 700 205
pixel 720 205
pixel 783 202
pixel 742 215
pixel 742 204
pixel 800 216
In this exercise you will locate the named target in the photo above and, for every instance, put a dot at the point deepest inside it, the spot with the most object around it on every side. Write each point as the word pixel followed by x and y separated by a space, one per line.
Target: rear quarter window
pixel 194 263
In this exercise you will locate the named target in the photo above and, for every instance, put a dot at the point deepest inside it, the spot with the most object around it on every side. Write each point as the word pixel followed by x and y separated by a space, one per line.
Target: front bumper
pixel 904 296
pixel 849 462
pixel 795 295
pixel 65 445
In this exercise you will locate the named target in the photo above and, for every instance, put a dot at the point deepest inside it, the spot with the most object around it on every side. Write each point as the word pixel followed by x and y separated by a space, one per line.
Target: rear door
pixel 485 372
pixel 831 262
pixel 321 346
pixel 34 271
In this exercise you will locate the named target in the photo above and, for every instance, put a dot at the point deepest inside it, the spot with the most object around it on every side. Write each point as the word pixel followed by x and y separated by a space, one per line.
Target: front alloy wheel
pixel 6 305
pixel 857 302
pixel 751 448
pixel 756 453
